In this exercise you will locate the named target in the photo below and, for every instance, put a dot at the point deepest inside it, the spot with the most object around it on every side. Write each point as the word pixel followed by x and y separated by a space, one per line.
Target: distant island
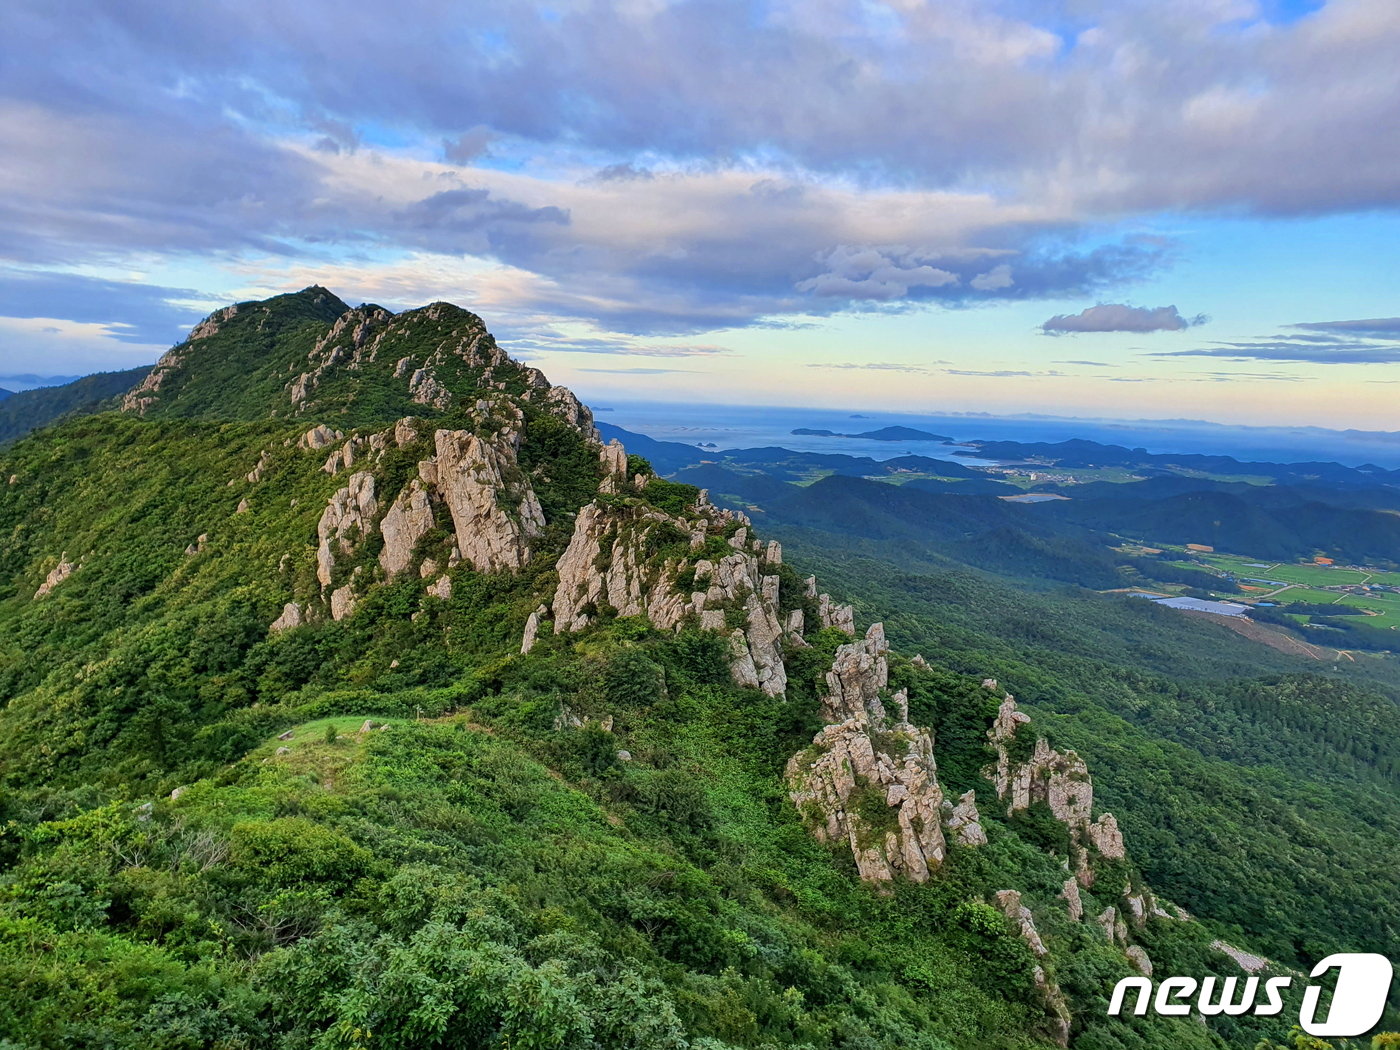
pixel 883 434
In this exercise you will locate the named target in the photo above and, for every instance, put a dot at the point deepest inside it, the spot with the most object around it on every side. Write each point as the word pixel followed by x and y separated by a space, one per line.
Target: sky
pixel 1130 208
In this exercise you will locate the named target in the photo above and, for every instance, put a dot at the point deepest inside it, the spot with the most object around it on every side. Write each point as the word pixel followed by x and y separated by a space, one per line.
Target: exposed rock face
pixel 1061 781
pixel 143 396
pixel 1246 962
pixel 343 602
pixel 532 629
pixel 479 480
pixel 1009 901
pixel 291 617
pixel 407 521
pixel 607 562
pixel 319 437
pixel 965 823
pixel 348 517
pixel 57 575
pixel 1073 902
pixel 831 614
pixel 867 779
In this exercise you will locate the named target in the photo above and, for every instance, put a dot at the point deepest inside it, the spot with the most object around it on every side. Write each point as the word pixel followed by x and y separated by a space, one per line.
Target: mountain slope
pixel 355 693
pixel 32 409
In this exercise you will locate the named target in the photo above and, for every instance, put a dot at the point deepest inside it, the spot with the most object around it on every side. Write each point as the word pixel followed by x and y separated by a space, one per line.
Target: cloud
pixel 1340 352
pixel 874 366
pixel 639 371
pixel 1003 373
pixel 1119 317
pixel 130 311
pixel 948 153
pixel 1379 327
pixel 996 278
pixel 1370 341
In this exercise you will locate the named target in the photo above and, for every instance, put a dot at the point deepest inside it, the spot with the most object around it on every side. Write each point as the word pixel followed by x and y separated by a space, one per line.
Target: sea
pixel 749 426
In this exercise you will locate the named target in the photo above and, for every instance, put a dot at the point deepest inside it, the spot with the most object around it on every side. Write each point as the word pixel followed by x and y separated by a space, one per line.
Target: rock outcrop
pixel 494 510
pixel 57 575
pixel 869 778
pixel 617 558
pixel 1060 781
pixel 347 519
pixel 408 519
pixel 1009 901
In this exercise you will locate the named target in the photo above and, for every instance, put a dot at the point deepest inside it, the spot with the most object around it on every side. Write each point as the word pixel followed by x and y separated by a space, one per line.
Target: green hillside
pixel 353 694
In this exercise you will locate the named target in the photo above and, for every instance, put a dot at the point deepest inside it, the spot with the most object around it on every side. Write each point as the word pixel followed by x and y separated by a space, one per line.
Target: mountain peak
pixel 308 353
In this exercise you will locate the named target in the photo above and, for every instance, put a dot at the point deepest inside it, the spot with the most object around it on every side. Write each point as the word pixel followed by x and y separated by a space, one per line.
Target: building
pixel 1201 605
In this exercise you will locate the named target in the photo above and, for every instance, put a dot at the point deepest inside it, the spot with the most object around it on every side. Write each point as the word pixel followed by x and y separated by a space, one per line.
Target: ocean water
pixel 746 426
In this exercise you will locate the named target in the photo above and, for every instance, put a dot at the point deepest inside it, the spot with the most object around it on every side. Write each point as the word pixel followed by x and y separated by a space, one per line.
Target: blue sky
pixel 1099 207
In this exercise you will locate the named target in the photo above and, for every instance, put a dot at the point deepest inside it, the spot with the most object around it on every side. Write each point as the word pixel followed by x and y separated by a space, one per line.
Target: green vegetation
pixel 1227 764
pixel 398 831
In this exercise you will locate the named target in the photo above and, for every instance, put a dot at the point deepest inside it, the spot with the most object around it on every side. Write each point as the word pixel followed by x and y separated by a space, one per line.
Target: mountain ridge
pixel 387 520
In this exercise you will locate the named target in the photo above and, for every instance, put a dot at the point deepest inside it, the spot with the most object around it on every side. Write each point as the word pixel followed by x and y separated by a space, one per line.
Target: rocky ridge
pixel 868 781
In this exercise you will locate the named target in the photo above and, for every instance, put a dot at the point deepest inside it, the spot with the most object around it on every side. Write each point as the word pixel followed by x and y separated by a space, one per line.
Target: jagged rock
pixel 405 432
pixel 963 820
pixel 858 672
pixel 243 507
pixel 562 402
pixel 424 388
pixel 1061 781
pixel 1073 901
pixel 287 735
pixel 614 459
pixel 1009 901
pixel 810 587
pixel 1138 957
pixel 832 614
pixel 197 547
pixel 532 629
pixel 1139 906
pixel 343 602
pixel 57 575
pixel 1107 838
pixel 441 587
pixel 1243 959
pixel 284 751
pixel 256 474
pixel 884 801
pixel 773 554
pixel 1115 930
pixel 919 662
pixel 350 513
pixel 606 562
pixel 291 617
pixel 476 477
pixel 991 683
pixel 407 521
pixel 319 437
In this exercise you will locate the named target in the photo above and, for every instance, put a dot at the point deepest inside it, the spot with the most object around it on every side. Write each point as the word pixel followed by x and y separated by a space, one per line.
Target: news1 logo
pixel 1363 983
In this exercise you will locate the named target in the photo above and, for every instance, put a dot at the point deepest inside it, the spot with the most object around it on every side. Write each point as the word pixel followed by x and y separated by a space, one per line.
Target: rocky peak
pixel 1058 780
pixel 869 778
